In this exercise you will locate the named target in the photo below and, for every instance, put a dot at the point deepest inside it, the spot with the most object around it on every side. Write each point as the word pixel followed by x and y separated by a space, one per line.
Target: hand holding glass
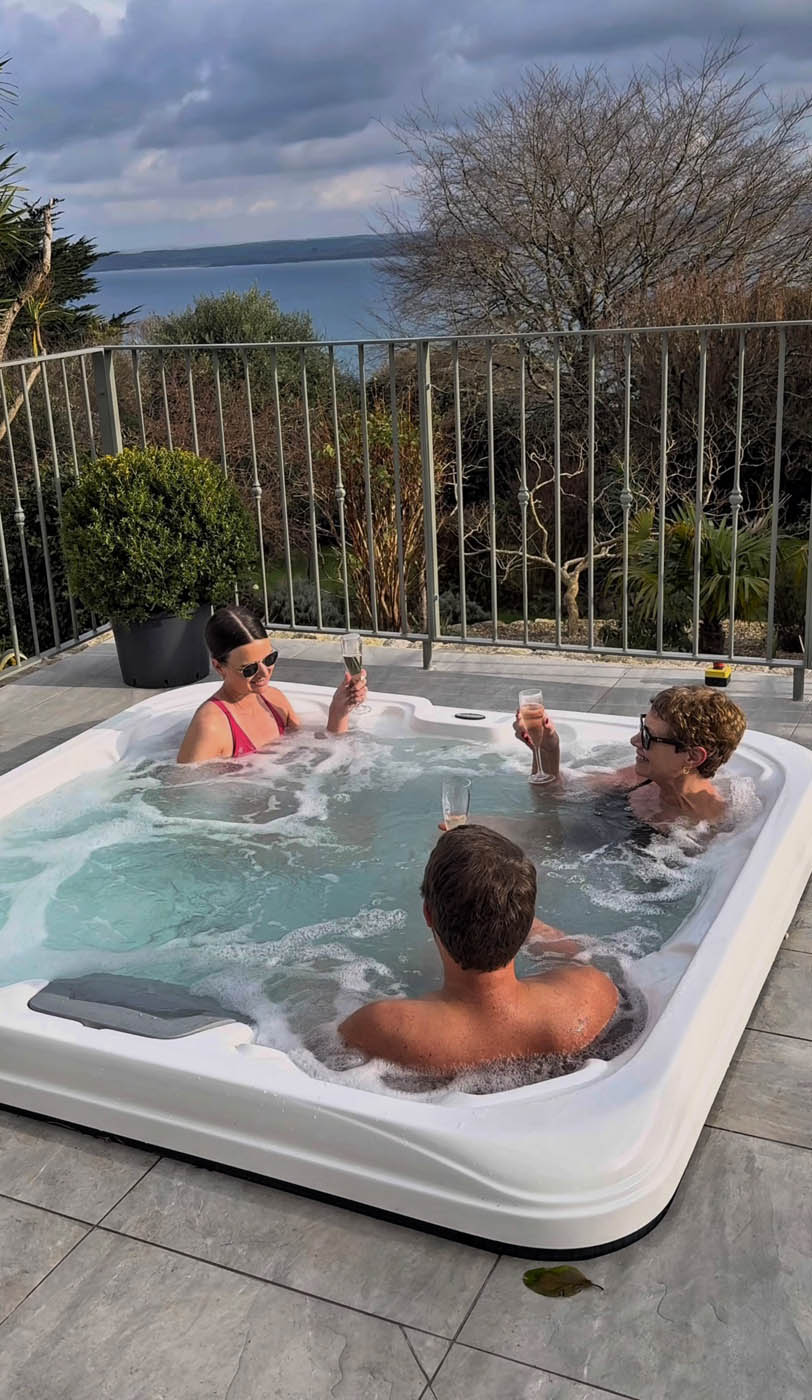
pixel 353 654
pixel 532 713
pixel 456 801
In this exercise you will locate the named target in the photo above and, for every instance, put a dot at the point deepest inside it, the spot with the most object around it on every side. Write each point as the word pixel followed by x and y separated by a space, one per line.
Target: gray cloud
pixel 165 96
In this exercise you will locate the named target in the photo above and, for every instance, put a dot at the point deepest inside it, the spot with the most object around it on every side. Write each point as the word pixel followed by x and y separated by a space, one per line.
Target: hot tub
pixel 573 1164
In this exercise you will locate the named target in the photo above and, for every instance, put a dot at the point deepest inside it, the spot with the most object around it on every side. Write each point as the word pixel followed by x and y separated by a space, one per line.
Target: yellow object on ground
pixel 718 673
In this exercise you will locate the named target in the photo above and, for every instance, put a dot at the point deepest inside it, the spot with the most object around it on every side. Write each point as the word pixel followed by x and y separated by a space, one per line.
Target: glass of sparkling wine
pixel 353 653
pixel 531 713
pixel 456 801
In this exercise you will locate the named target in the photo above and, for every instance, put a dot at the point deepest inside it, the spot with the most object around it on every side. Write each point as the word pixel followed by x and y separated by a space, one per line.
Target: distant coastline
pixel 278 250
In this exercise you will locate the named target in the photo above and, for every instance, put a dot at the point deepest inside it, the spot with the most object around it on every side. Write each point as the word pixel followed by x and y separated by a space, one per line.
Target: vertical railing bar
pixel 43 529
pixel 395 419
pixel 779 448
pixel 256 489
pixel 700 484
pixel 340 490
pixel 162 361
pixel 626 495
pixel 460 487
pixel 138 398
pixel 557 482
pixel 808 609
pixel 49 418
pixel 429 499
pixel 74 453
pixel 88 410
pixel 736 499
pixel 193 410
pixel 311 488
pixel 590 543
pixel 218 398
pixel 492 493
pixel 19 519
pixel 524 495
pixel 66 390
pixel 283 495
pixel 12 616
pixel 663 490
pixel 373 587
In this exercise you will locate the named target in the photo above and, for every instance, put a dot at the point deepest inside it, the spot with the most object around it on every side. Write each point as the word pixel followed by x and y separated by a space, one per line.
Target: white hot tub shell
pixel 571 1165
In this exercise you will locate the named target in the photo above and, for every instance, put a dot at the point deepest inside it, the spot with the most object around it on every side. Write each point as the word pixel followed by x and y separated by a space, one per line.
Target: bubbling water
pixel 287 884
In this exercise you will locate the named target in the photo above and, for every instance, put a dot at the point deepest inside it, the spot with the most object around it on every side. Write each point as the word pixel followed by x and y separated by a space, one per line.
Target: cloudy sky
pixel 181 122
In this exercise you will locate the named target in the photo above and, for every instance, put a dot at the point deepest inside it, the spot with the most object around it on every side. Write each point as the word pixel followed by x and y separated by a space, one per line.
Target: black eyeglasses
pixel 647 738
pixel 251 669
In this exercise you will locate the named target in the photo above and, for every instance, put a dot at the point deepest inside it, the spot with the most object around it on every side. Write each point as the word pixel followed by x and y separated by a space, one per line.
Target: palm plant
pixel 715 572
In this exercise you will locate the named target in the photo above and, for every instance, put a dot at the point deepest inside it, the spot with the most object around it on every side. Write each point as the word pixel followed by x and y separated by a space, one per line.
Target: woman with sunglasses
pixel 683 739
pixel 248 713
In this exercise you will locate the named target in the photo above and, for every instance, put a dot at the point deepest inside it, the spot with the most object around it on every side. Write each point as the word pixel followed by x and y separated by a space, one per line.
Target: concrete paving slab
pixel 390 1270
pixel 64 1169
pixel 713 1303
pixel 120 1320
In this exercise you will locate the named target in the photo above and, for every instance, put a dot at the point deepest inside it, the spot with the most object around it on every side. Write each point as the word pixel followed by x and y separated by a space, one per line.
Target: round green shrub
pixel 155 531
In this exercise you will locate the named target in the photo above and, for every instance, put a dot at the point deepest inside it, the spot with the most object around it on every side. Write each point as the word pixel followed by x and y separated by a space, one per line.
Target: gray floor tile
pixel 799 937
pixel 785 1005
pixel 761 716
pixel 428 1350
pixel 474 1375
pixel 712 1305
pixel 803 734
pixel 32 1242
pixel 768 1090
pixel 72 1172
pixel 403 1274
pixel 119 1320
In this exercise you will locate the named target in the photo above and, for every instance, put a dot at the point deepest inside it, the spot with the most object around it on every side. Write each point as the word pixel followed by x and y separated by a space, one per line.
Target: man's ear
pixel 427 915
pixel 697 755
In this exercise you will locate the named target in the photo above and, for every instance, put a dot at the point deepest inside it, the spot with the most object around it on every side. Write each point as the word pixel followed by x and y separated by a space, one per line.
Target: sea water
pixel 287 884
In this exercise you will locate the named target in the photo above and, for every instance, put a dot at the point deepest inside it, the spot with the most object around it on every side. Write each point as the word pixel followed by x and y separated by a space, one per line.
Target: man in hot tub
pixel 479 900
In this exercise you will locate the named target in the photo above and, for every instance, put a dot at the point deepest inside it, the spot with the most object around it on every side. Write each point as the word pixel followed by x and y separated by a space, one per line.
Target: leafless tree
pixel 551 206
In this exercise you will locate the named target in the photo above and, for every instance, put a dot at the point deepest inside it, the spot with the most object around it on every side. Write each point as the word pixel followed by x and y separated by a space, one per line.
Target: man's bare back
pixel 555 1013
pixel 479 895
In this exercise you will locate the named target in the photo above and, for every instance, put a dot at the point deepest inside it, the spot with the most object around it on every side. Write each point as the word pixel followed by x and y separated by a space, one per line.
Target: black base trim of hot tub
pixel 391 1217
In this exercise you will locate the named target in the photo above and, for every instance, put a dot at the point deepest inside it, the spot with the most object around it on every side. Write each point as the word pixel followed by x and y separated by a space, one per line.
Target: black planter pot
pixel 163 652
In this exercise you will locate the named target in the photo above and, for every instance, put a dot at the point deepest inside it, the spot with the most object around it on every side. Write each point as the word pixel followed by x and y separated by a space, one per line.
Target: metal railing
pixel 629 492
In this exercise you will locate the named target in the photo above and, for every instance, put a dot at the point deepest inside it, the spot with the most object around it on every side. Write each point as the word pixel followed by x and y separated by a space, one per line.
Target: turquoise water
pixel 344 297
pixel 288 884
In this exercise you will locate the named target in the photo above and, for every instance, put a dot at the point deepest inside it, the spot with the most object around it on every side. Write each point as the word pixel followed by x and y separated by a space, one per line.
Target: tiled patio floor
pixel 127 1275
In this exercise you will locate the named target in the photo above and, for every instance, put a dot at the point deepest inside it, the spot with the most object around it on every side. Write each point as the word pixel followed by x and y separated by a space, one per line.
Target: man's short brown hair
pixel 702 718
pixel 480 891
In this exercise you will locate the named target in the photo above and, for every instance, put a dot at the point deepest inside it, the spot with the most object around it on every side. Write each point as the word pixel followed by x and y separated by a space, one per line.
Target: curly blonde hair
pixel 702 718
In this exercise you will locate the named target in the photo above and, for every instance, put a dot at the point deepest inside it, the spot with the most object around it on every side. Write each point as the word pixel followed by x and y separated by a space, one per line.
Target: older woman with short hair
pixel 687 734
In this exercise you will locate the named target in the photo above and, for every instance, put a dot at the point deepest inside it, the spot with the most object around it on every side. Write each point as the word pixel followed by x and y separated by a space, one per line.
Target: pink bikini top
pixel 242 744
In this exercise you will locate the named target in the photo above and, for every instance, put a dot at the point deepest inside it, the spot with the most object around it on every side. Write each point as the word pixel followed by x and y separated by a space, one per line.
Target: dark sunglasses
pixel 647 738
pixel 251 669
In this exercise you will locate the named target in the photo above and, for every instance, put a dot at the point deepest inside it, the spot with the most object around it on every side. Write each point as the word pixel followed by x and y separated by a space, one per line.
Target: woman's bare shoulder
pixel 208 735
pixel 280 701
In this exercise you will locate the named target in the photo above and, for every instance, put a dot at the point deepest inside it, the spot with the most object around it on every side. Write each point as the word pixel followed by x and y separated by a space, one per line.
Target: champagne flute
pixel 531 713
pixel 456 801
pixel 353 654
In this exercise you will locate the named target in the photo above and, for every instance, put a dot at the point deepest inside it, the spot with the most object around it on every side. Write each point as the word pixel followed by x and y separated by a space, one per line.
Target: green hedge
pixel 155 531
